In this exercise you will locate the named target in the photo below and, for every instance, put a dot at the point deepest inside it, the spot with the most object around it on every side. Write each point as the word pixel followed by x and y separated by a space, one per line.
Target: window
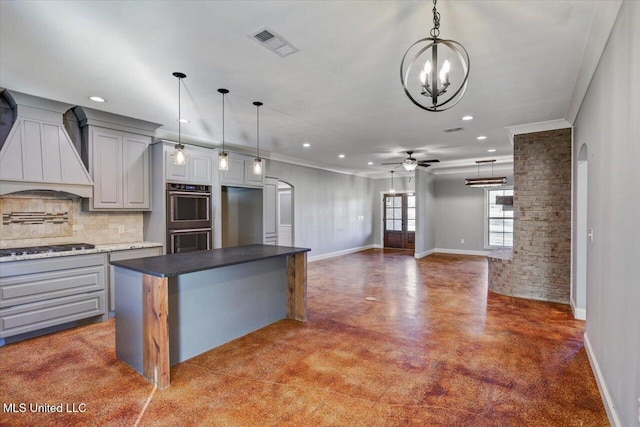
pixel 499 220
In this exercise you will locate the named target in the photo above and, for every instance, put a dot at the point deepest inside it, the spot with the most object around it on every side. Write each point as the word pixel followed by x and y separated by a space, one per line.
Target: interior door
pixel 399 221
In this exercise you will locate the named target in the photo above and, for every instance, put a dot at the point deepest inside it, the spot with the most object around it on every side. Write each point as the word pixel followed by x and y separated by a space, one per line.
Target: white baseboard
pixel 578 313
pixel 460 252
pixel 419 255
pixel 339 253
pixel 602 386
pixel 378 246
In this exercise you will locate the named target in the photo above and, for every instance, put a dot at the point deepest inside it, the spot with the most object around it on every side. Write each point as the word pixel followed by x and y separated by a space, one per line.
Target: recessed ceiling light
pixel 306 145
pixel 491 150
pixel 183 120
pixel 481 137
pixel 341 156
pixel 97 99
pixel 370 163
pixel 467 118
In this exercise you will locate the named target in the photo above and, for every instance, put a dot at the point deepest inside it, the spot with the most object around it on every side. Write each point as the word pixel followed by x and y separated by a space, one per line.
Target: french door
pixel 399 221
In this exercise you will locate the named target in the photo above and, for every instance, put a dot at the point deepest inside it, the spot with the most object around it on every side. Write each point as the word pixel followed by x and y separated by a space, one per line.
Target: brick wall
pixel 540 268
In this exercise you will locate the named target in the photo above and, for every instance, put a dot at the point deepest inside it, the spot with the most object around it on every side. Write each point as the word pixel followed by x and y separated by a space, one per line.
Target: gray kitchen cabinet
pixel 115 150
pixel 270 211
pixel 120 167
pixel 240 172
pixel 123 255
pixel 196 170
pixel 41 293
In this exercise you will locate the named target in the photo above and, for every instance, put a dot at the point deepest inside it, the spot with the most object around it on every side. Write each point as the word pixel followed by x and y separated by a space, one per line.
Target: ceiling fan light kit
pixel 431 87
pixel 411 163
pixel 492 181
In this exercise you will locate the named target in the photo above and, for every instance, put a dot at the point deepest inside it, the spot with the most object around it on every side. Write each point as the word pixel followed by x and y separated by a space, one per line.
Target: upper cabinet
pixel 240 172
pixel 196 170
pixel 116 152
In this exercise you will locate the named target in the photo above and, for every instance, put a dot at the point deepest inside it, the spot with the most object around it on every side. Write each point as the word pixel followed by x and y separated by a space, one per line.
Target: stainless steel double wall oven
pixel 189 224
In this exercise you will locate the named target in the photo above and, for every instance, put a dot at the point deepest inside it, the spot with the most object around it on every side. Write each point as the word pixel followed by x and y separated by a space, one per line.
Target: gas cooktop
pixel 45 249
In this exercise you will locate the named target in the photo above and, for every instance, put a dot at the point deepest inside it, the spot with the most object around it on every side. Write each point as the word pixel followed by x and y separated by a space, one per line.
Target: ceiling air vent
pixel 273 42
pixel 453 130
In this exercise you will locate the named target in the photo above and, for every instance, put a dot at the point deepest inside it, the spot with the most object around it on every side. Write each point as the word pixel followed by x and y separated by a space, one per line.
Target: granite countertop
pixel 189 262
pixel 98 249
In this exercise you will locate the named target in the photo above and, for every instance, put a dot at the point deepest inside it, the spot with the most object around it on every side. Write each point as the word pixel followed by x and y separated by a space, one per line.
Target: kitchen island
pixel 170 308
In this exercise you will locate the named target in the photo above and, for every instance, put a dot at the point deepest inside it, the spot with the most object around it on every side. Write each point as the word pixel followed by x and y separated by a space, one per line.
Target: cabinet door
pixel 235 174
pixel 249 177
pixel 137 185
pixel 173 172
pixel 270 210
pixel 107 169
pixel 201 166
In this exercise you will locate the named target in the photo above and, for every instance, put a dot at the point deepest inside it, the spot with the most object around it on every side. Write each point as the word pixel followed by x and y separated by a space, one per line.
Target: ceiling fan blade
pixel 424 165
pixel 429 161
pixel 395 163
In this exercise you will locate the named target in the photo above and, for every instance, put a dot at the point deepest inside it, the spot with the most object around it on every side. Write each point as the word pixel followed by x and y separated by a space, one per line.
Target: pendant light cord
pixel 179 111
pixel 223 123
pixel 258 131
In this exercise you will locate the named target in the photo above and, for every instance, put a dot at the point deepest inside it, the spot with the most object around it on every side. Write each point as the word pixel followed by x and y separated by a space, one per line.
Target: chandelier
pixel 491 181
pixel 428 77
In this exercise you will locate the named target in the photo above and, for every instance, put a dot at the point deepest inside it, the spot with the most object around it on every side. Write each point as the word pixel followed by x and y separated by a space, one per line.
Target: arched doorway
pixel 579 286
pixel 285 214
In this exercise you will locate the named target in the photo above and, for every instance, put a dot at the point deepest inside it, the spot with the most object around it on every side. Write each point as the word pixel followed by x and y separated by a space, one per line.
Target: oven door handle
pixel 188 230
pixel 189 193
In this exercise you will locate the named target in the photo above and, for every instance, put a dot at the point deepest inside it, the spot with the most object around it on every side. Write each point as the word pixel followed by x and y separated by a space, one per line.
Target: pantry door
pixel 399 221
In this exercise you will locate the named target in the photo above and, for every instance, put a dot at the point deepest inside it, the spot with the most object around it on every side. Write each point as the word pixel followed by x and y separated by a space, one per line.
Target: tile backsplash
pixel 41 218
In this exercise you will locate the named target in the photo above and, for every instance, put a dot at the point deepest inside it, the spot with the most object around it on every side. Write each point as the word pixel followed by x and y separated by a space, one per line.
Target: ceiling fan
pixel 410 163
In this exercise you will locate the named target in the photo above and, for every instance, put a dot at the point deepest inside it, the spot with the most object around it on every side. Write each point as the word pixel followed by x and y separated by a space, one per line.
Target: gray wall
pixel 327 207
pixel 459 212
pixel 608 124
pixel 425 211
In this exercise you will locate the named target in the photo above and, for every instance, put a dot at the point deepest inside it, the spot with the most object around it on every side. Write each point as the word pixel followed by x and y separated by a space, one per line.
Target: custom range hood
pixel 37 153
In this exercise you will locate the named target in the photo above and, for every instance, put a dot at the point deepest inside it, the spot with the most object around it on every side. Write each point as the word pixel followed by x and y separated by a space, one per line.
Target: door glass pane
pixel 397 202
pixel 397 225
pixel 389 201
pixel 389 225
pixel 411 225
pixel 389 213
pixel 397 214
pixel 411 213
pixel 411 201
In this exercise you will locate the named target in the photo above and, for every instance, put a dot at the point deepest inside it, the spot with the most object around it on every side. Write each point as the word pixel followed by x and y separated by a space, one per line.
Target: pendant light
pixel 179 157
pixel 223 157
pixel 430 86
pixel 392 190
pixel 492 181
pixel 257 162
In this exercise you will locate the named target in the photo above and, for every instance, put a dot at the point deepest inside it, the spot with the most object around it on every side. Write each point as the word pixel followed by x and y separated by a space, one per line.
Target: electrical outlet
pixel 462 241
pixel 121 229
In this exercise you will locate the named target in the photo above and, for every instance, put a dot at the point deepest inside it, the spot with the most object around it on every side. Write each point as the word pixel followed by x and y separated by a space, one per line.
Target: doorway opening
pixel 399 221
pixel 579 288
pixel 285 214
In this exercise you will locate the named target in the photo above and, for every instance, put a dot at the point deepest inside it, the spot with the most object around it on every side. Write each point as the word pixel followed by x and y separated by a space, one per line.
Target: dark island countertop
pixel 189 262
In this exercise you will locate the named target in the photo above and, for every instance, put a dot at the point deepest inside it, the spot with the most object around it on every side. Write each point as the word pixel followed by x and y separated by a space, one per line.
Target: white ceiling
pixel 341 92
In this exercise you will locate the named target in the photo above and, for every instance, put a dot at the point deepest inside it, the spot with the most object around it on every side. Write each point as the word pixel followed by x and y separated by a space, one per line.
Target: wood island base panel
pixel 174 307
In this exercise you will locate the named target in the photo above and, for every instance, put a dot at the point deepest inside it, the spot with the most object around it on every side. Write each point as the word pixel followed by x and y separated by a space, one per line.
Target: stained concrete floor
pixel 432 348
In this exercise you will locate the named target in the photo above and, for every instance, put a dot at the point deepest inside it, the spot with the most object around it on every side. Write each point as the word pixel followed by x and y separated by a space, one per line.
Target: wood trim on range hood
pixel 38 153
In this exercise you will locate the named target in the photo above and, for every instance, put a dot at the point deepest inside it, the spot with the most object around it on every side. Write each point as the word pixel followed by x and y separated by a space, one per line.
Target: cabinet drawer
pixel 30 317
pixel 42 286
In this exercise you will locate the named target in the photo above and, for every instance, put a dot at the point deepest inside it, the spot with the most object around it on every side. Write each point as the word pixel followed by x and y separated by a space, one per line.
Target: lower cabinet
pixel 121 256
pixel 41 293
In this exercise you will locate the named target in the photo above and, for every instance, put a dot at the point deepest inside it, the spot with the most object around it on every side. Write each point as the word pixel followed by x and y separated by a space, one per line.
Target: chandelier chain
pixel 435 31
